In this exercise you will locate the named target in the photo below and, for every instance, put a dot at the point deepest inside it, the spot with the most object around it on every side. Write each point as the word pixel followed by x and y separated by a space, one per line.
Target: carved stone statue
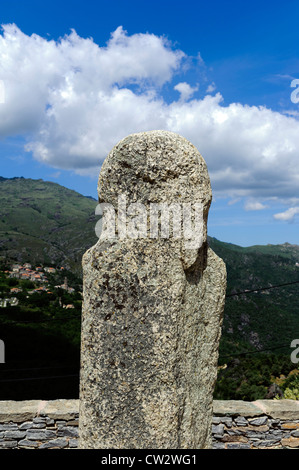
pixel 154 296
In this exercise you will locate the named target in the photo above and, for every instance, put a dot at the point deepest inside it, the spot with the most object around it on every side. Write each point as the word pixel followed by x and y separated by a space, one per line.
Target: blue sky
pixel 78 76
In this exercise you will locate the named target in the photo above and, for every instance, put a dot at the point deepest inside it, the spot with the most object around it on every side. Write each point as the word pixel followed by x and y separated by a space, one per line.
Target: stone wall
pixel 263 424
pixel 38 424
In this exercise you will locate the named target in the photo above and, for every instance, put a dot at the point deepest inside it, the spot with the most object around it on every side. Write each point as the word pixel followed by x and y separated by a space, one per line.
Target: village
pixel 35 275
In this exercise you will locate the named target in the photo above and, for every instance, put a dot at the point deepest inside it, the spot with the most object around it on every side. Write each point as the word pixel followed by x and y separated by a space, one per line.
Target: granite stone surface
pixel 152 307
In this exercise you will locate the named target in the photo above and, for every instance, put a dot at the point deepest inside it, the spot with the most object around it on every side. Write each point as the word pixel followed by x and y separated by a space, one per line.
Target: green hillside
pixel 43 222
pixel 258 326
pixel 46 224
pixel 266 317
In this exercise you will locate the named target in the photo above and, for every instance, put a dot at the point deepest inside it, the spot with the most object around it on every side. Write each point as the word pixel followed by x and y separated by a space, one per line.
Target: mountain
pixel 265 316
pixel 260 320
pixel 44 223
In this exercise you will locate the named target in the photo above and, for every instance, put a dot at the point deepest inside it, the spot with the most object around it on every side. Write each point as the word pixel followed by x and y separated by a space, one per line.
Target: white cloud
pixel 287 215
pixel 254 206
pixel 291 112
pixel 74 100
pixel 72 95
pixel 185 90
pixel 233 201
pixel 211 88
pixel 2 92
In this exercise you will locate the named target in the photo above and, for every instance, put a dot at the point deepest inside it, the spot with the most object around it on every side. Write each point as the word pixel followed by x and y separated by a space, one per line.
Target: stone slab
pixel 27 410
pixel 61 409
pixel 236 408
pixel 18 411
pixel 279 409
